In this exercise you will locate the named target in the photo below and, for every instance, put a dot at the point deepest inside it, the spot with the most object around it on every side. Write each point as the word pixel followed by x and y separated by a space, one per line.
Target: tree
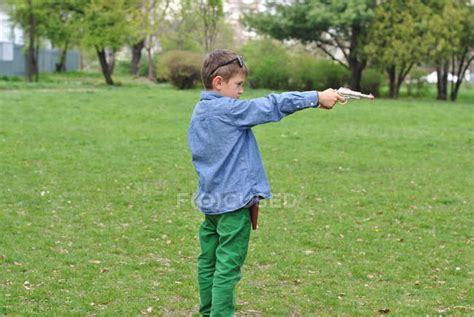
pixel 445 24
pixel 154 17
pixel 107 27
pixel 137 39
pixel 330 25
pixel 464 54
pixel 29 15
pixel 183 28
pixel 452 47
pixel 398 39
pixel 451 43
pixel 137 48
pixel 62 25
pixel 211 12
pixel 148 16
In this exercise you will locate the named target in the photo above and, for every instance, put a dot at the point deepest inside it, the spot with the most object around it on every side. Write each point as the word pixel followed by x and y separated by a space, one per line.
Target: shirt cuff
pixel 311 98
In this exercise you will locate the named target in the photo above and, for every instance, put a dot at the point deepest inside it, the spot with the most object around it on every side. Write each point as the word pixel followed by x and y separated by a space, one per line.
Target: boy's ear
pixel 217 82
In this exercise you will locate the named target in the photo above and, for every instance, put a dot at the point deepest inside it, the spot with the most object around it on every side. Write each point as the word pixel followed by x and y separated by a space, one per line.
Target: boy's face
pixel 232 88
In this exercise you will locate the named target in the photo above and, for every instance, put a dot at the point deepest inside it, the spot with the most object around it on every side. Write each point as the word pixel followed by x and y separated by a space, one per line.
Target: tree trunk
pixel 356 64
pixel 356 76
pixel 463 65
pixel 151 66
pixel 392 80
pixel 402 73
pixel 110 59
pixel 31 56
pixel 442 85
pixel 104 65
pixel 136 56
pixel 81 59
pixel 454 93
pixel 61 66
pixel 36 66
pixel 439 84
pixel 409 86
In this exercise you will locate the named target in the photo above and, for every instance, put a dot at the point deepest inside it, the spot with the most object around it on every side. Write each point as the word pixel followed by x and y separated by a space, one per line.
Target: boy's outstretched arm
pixel 274 107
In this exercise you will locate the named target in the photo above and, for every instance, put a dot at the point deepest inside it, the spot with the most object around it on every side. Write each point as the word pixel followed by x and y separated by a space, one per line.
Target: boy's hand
pixel 328 98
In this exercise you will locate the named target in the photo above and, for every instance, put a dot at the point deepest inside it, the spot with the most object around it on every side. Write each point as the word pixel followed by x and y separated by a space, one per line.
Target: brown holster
pixel 254 216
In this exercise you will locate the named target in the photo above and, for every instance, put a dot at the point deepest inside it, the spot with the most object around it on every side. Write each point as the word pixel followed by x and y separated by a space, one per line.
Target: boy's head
pixel 225 72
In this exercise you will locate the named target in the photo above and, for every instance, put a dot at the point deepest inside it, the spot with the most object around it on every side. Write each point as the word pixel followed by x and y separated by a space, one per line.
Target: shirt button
pixel 312 103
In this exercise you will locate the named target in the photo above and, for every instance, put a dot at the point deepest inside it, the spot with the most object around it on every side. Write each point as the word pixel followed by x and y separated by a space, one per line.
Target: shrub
pixel 304 72
pixel 331 75
pixel 415 81
pixel 11 78
pixel 268 64
pixel 161 69
pixel 122 67
pixel 308 73
pixel 372 80
pixel 181 68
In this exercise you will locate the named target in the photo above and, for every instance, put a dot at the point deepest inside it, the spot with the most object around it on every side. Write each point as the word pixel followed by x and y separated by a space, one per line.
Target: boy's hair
pixel 212 61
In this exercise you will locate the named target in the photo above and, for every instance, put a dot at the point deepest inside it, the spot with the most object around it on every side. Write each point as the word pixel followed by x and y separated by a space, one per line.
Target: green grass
pixel 90 223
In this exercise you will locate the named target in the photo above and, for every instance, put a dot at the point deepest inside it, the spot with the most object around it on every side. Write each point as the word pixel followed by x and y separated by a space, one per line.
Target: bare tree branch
pixel 339 45
pixel 325 50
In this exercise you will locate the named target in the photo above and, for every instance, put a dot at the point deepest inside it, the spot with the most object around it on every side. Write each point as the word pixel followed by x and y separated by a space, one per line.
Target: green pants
pixel 224 242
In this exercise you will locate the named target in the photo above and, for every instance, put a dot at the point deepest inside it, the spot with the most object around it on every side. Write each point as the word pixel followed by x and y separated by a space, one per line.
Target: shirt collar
pixel 209 95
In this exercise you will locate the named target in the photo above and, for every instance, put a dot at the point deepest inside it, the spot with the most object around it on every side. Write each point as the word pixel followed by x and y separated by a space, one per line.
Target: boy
pixel 230 171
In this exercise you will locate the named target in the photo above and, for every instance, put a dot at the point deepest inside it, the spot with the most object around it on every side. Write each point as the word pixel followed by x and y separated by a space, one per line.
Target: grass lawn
pixel 373 208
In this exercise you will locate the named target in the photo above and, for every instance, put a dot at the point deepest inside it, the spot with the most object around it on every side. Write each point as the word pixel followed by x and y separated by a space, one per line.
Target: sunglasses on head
pixel 239 59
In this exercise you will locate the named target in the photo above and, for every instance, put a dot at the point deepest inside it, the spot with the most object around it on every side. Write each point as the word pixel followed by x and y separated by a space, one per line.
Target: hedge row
pixel 270 66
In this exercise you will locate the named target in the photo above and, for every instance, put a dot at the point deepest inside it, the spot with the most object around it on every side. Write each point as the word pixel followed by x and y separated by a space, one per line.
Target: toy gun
pixel 347 94
pixel 254 216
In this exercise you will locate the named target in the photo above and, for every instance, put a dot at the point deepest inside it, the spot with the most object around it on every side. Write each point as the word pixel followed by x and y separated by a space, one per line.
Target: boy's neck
pixel 219 92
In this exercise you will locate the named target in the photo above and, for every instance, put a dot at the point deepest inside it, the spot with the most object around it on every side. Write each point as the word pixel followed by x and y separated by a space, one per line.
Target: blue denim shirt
pixel 224 149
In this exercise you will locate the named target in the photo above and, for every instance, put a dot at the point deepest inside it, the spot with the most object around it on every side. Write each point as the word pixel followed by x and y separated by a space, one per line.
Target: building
pixel 234 10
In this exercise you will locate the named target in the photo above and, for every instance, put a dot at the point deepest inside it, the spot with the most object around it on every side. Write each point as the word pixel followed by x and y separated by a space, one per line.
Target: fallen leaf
pixel 27 285
pixel 147 311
